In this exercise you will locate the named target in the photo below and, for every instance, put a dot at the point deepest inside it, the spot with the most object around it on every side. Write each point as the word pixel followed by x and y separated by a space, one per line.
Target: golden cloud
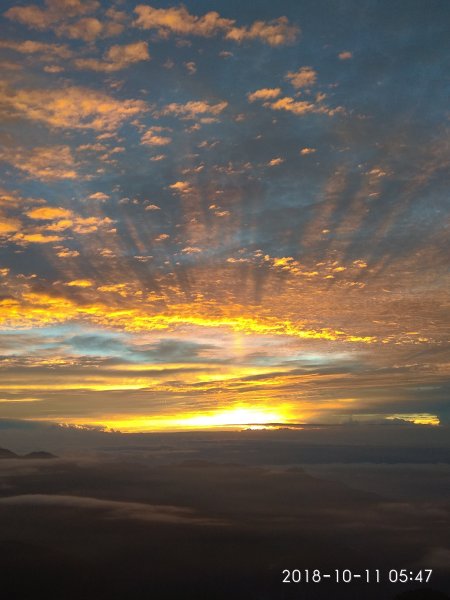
pixel 288 264
pixel 48 213
pixel 82 283
pixel 8 226
pixel 58 220
pixel 36 238
pixel 40 308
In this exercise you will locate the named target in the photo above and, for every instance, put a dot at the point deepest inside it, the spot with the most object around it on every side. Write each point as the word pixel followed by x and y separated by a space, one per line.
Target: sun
pixel 233 417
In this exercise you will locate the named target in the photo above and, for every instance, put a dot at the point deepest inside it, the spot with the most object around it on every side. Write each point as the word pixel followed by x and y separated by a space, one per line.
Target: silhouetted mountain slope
pixel 5 453
pixel 40 454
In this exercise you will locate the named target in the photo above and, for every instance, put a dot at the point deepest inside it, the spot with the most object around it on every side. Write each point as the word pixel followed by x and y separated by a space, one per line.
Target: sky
pixel 216 214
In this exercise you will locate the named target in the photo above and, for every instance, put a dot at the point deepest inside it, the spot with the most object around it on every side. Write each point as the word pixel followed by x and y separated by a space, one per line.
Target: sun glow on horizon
pixel 232 418
pixel 417 419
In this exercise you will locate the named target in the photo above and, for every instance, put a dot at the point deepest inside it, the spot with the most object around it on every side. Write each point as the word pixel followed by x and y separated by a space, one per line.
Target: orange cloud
pixel 116 58
pixel 84 225
pixel 182 187
pixel 87 29
pixel 305 151
pixel 46 51
pixel 67 253
pixel 118 288
pixel 275 162
pixel 68 18
pixel 46 163
pixel 161 237
pixel 71 107
pixel 297 107
pixel 9 199
pixel 152 137
pixel 304 77
pixel 302 107
pixel 191 67
pixel 275 33
pixel 56 10
pixel 345 55
pixel 53 69
pixel 193 109
pixel 98 196
pixel 264 94
pixel 178 21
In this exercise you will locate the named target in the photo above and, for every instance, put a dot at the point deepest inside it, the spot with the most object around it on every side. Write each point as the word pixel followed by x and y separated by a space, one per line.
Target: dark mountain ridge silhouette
pixel 5 453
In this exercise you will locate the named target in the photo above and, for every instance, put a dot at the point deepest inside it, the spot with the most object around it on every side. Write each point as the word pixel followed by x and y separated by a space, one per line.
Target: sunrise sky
pixel 224 213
